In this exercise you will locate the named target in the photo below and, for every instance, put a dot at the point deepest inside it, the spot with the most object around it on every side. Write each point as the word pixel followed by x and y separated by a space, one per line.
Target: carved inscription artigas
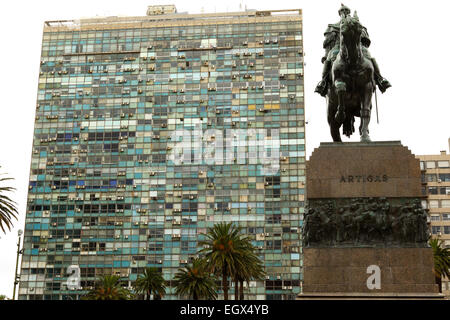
pixel 363 179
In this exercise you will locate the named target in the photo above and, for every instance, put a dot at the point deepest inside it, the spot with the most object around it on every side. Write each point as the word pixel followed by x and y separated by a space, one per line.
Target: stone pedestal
pixel 344 270
pixel 355 169
pixel 364 229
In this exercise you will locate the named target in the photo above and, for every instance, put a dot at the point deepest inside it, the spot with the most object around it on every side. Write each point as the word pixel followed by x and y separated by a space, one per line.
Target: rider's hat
pixel 343 8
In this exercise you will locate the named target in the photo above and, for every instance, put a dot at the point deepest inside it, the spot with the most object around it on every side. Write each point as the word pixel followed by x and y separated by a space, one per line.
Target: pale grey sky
pixel 409 41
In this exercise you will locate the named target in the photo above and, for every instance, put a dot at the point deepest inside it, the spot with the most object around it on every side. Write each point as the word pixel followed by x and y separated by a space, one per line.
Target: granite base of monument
pixel 365 233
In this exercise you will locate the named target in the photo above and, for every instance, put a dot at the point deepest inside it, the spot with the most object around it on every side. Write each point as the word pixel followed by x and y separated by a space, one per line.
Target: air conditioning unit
pixel 183 261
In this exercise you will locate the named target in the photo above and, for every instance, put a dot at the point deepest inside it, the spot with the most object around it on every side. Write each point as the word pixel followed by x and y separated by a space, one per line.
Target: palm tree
pixel 195 281
pixel 250 268
pixel 8 209
pixel 224 250
pixel 151 281
pixel 441 261
pixel 108 288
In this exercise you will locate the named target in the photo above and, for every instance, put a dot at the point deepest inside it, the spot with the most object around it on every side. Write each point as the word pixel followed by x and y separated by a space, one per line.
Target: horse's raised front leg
pixel 366 108
pixel 332 105
pixel 340 90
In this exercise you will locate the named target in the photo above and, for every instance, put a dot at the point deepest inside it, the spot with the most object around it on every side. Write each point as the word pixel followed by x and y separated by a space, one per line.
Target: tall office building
pixel 151 129
pixel 436 185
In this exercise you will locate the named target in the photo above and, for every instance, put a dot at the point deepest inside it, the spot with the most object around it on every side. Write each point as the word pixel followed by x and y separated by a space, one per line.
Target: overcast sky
pixel 409 40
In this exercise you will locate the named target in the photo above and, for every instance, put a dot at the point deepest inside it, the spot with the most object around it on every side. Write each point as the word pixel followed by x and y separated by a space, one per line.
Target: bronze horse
pixel 350 94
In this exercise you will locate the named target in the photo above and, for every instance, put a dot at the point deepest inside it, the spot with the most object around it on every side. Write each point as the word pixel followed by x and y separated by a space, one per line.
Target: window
pixel 431 165
pixel 446 216
pixel 435 217
pixel 443 164
pixel 435 229
pixel 422 165
pixel 446 229
pixel 445 204
pixel 433 204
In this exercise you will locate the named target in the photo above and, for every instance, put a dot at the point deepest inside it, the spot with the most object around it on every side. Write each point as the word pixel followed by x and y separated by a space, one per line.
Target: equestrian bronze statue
pixel 349 77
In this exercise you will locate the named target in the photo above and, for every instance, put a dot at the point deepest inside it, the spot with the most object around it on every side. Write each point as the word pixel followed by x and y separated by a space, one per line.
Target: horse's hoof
pixel 365 138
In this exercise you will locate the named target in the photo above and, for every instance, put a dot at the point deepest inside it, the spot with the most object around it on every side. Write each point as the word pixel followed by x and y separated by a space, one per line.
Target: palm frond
pixel 8 208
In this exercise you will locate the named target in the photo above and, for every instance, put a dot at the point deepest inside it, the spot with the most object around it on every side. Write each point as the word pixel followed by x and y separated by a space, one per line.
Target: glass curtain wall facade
pixel 107 194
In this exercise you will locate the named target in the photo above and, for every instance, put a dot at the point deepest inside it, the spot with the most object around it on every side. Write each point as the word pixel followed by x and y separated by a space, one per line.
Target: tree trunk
pixel 149 294
pixel 195 297
pixel 236 289
pixel 241 290
pixel 439 283
pixel 225 283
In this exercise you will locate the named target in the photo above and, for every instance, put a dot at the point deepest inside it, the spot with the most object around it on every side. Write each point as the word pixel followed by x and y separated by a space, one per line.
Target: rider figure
pixel 331 46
